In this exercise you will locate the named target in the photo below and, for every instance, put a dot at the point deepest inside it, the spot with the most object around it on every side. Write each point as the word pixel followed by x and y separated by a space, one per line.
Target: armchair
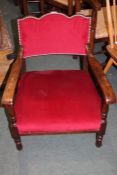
pixel 56 101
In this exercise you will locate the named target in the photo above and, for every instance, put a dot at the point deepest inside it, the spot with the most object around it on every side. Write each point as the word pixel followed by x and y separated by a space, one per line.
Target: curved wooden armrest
pixel 105 86
pixel 13 77
pixel 94 4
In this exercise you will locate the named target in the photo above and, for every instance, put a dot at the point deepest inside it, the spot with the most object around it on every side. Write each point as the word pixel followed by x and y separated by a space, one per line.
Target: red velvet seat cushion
pixel 57 101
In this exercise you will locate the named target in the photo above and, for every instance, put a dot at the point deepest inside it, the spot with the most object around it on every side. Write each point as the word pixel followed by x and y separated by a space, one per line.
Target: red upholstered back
pixel 54 33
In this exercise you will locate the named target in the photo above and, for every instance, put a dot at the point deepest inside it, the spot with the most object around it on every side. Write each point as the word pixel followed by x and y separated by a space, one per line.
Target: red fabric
pixel 57 101
pixel 54 33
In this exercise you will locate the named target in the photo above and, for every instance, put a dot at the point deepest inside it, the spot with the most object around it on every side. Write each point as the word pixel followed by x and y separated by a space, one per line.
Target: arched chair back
pixel 54 33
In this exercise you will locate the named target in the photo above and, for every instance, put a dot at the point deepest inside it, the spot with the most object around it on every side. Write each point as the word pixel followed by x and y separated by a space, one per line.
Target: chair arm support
pixel 9 91
pixel 94 4
pixel 106 88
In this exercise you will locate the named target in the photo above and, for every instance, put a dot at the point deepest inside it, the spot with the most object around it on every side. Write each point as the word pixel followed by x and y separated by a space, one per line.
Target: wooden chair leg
pixel 75 57
pixel 99 138
pixel 100 134
pixel 12 126
pixel 108 65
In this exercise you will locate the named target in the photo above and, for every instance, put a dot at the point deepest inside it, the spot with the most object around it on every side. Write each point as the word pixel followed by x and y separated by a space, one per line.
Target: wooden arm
pixel 106 88
pixel 94 4
pixel 13 78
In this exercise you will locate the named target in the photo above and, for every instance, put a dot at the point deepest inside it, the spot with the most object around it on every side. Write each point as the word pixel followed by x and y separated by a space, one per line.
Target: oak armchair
pixel 56 101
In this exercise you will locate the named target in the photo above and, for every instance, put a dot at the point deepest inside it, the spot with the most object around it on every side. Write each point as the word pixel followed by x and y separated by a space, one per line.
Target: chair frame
pixel 18 67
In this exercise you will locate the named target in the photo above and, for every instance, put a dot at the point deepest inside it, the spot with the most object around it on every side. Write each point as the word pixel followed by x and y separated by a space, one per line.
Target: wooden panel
pixel 5 49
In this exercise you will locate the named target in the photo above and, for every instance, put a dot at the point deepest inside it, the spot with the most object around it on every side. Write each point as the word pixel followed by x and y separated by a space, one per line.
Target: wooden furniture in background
pixel 101 33
pixel 66 5
pixel 101 25
pixel 57 101
pixel 43 6
pixel 6 48
pixel 112 30
pixel 37 7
